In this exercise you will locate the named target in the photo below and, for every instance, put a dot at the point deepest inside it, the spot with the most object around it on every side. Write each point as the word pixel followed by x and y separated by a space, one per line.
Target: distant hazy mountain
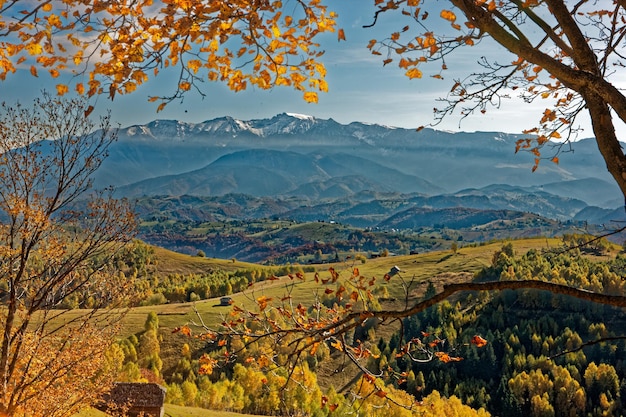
pixel 307 168
pixel 441 161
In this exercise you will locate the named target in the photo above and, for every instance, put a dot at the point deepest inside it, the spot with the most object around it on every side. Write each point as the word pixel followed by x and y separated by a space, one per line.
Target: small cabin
pixel 226 301
pixel 134 399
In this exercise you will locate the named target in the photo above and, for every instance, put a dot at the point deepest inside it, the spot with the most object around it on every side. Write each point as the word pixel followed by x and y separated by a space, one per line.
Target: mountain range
pixel 301 162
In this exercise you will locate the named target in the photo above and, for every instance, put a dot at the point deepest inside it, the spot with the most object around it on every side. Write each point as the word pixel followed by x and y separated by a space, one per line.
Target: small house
pixel 226 301
pixel 134 399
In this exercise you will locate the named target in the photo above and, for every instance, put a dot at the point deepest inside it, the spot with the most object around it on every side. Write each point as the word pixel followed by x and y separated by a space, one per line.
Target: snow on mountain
pixel 282 124
pixel 300 116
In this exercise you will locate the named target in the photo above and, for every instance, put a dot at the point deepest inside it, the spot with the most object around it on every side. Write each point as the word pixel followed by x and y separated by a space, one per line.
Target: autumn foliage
pixel 56 240
pixel 115 46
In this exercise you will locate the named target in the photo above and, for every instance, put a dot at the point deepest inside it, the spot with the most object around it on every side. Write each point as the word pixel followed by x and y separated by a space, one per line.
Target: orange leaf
pixel 478 341
pixel 183 329
pixel 341 36
pixel 222 342
pixel 62 89
pixel 33 70
pixel 448 15
pixel 434 343
pixel 380 393
pixel 262 302
pixel 88 111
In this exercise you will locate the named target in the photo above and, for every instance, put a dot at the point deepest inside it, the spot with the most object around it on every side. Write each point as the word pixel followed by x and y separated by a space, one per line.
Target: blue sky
pixel 361 89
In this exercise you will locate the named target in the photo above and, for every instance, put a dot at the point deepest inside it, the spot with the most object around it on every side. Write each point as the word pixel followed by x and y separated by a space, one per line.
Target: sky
pixel 360 88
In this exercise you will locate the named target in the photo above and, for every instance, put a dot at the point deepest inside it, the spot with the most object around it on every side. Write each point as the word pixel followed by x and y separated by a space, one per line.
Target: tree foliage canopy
pixel 56 238
pixel 115 46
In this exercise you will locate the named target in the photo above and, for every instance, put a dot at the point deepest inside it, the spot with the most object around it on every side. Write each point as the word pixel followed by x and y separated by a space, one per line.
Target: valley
pixel 248 228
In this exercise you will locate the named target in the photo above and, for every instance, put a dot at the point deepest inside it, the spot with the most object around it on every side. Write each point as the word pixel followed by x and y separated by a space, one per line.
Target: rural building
pixel 134 399
pixel 226 301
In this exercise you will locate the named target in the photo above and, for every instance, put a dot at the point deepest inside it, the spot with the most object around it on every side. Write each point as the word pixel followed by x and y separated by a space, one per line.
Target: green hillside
pixel 419 268
pixel 465 315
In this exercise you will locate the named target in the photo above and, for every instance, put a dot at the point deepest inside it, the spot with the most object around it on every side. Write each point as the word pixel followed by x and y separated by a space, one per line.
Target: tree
pixel 115 46
pixel 562 52
pixel 55 242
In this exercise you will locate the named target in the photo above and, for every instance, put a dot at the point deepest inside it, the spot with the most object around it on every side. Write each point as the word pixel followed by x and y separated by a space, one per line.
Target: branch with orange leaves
pixel 293 331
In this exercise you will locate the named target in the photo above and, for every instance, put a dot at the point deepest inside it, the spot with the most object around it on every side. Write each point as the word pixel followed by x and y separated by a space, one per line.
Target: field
pixel 417 268
pixel 416 271
pixel 173 411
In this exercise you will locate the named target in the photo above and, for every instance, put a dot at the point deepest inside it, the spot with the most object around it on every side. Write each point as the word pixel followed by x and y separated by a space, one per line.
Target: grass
pixel 178 411
pixel 418 268
pixel 169 262
pixel 173 411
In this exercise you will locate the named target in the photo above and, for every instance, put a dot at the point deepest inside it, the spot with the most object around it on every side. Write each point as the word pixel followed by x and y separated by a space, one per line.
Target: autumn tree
pixel 56 237
pixel 115 46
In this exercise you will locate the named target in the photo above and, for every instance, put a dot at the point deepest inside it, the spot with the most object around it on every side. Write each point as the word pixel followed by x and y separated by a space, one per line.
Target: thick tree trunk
pixel 607 141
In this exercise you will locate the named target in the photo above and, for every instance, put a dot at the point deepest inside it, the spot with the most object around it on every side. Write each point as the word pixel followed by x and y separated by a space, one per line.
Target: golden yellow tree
pixel 115 46
pixel 56 238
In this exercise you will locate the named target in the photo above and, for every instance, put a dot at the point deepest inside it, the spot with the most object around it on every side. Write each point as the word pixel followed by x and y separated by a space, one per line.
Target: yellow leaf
pixel 413 73
pixel 337 345
pixel 78 58
pixel 62 89
pixel 195 65
pixel 46 7
pixel 34 49
pixel 310 97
